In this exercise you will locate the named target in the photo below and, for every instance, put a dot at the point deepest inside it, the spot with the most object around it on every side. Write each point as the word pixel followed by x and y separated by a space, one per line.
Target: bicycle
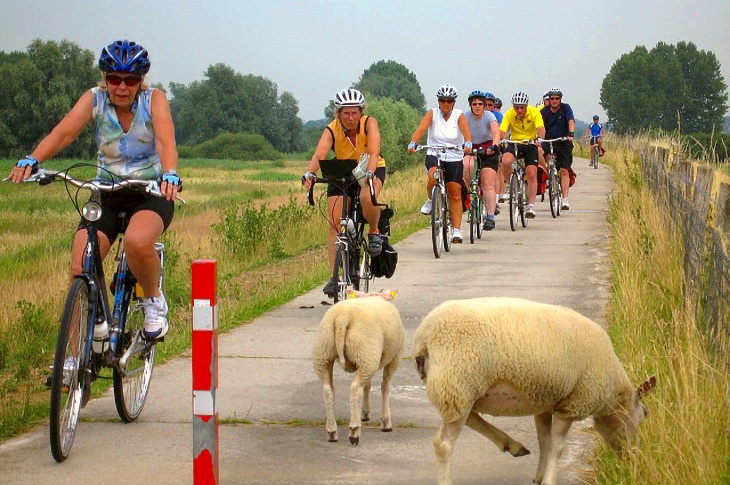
pixel 518 187
pixel 595 152
pixel 554 185
pixel 477 207
pixel 92 334
pixel 352 266
pixel 442 230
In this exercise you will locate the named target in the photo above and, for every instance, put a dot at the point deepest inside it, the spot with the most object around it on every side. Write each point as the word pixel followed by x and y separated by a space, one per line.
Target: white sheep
pixel 364 335
pixel 513 357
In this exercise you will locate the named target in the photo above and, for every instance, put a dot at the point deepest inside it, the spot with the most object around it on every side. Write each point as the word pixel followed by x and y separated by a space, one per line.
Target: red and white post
pixel 205 372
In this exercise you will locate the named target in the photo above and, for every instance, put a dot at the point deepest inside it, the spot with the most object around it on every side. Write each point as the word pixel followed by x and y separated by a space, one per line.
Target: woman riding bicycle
pixel 485 134
pixel 136 140
pixel 350 135
pixel 447 126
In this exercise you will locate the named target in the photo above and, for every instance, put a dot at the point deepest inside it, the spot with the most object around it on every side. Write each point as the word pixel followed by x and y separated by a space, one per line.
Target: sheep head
pixel 620 428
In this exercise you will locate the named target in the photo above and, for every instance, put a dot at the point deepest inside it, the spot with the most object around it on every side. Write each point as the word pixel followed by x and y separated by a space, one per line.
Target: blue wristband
pixel 468 145
pixel 412 145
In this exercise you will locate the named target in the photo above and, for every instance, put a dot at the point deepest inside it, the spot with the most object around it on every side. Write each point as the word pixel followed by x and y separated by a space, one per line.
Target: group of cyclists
pixel 352 135
pixel 136 139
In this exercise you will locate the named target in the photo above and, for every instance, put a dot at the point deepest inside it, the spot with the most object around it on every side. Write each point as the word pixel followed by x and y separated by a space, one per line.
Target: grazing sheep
pixel 513 357
pixel 364 335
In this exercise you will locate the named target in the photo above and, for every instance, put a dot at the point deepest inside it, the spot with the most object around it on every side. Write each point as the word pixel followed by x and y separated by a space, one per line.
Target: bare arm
pixel 164 139
pixel 422 127
pixel 373 130
pixel 464 127
pixel 496 134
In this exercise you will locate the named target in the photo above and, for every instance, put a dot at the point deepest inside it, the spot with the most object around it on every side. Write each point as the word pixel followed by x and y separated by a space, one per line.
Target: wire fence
pixel 686 190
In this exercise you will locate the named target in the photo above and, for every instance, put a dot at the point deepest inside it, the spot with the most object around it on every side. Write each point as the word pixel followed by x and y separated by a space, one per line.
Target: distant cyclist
pixel 350 135
pixel 446 125
pixel 596 132
pixel 525 123
pixel 485 135
pixel 560 122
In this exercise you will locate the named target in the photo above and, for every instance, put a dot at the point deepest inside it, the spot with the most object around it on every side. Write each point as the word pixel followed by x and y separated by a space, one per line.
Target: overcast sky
pixel 312 48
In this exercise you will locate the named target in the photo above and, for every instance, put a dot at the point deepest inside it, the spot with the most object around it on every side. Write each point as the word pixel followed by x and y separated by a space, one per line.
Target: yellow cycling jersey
pixel 343 147
pixel 522 128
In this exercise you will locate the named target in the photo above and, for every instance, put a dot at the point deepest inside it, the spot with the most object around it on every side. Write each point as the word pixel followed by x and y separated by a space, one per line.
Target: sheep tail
pixel 341 324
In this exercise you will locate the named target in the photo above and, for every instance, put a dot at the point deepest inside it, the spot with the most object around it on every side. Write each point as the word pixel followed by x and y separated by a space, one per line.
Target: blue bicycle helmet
pixel 490 96
pixel 595 117
pixel 477 94
pixel 124 56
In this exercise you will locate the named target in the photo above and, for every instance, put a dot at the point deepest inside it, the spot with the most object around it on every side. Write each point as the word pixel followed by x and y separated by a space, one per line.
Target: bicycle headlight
pixel 91 211
pixel 436 175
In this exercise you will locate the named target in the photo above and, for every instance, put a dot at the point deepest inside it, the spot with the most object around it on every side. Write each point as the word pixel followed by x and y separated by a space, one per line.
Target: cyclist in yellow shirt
pixel 525 123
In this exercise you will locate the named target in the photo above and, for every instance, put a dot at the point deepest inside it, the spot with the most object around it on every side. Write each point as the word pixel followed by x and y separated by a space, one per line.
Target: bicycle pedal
pixel 156 340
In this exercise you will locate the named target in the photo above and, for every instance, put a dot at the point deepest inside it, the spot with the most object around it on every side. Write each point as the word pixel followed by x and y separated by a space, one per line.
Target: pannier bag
pixel 383 265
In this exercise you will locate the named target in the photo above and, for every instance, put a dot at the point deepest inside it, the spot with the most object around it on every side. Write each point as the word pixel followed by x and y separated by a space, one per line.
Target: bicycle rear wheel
pixel 595 157
pixel 514 201
pixel 67 382
pixel 132 383
pixel 437 222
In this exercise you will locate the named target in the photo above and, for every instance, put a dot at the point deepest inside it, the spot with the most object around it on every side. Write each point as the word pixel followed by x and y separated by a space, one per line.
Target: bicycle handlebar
pixel 45 177
pixel 517 142
pixel 322 180
pixel 562 138
pixel 439 148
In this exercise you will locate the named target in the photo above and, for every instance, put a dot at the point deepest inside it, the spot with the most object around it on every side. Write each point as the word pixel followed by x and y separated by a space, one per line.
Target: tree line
pixel 674 88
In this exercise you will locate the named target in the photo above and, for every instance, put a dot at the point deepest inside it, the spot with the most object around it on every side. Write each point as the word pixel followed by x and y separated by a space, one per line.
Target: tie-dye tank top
pixel 132 154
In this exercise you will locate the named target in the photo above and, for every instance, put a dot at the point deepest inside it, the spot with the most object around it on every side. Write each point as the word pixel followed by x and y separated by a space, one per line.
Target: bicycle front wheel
pixel 448 223
pixel 341 274
pixel 514 201
pixel 481 216
pixel 437 222
pixel 132 383
pixel 473 217
pixel 365 274
pixel 67 383
pixel 554 190
pixel 523 202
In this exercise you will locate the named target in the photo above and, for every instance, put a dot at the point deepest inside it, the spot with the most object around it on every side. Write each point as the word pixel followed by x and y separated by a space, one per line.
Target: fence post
pixel 205 372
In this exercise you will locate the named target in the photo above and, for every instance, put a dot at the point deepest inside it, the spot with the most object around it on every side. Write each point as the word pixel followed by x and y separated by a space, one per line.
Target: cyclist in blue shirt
pixel 595 131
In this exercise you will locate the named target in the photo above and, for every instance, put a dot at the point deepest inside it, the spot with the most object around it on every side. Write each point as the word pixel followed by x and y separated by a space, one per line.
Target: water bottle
pixel 101 337
pixel 351 231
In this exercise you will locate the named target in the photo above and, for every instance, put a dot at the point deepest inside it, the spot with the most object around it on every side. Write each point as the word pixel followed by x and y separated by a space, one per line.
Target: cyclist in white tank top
pixel 446 126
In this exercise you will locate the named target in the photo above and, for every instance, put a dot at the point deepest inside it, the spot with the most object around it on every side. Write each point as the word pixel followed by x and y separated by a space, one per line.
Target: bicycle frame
pixel 554 179
pixel 518 186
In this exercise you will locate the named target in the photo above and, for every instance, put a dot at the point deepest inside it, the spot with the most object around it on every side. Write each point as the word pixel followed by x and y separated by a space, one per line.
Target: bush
pixel 232 146
pixel 712 147
pixel 397 121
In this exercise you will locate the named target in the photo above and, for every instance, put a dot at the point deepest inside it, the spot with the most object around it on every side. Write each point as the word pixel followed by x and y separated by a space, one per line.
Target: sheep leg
pixel 366 401
pixel 325 374
pixel 543 425
pixel 388 372
pixel 443 445
pixel 558 434
pixel 356 392
pixel 503 441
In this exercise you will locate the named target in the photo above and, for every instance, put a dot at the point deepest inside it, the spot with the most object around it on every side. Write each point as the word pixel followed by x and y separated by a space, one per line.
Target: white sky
pixel 312 48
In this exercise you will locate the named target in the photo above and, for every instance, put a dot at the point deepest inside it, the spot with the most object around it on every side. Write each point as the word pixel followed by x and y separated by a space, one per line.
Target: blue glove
pixel 171 177
pixel 412 145
pixel 28 162
pixel 468 145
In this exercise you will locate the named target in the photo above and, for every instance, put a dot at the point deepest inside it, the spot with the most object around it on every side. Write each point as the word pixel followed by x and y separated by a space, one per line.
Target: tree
pixel 396 120
pixel 39 87
pixel 229 102
pixel 669 87
pixel 388 79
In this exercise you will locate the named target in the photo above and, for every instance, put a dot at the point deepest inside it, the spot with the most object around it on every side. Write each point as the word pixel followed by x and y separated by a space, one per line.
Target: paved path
pixel 266 376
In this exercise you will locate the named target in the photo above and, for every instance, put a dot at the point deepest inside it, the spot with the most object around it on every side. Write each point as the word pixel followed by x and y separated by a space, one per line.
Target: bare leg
pixel 77 250
pixel 145 228
pixel 488 180
pixel 531 176
pixel 503 441
pixel 453 190
pixel 558 434
pixel 543 424
pixel 334 210
pixel 369 211
pixel 564 182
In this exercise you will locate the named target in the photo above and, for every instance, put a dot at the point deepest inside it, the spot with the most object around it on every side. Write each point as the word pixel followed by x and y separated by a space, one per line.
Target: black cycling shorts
pixel 486 161
pixel 563 151
pixel 529 152
pixel 130 202
pixel 453 171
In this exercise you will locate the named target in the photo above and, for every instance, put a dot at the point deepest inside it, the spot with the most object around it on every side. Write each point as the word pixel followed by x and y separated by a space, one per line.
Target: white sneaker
pixel 457 236
pixel 503 197
pixel 155 317
pixel 426 207
pixel 530 212
pixel 565 206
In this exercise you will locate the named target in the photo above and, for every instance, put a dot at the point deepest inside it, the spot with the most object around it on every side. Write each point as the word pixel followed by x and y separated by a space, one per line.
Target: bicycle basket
pixel 383 265
pixel 337 169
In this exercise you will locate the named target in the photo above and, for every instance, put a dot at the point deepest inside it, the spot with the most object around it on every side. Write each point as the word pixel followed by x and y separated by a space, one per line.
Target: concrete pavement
pixel 266 377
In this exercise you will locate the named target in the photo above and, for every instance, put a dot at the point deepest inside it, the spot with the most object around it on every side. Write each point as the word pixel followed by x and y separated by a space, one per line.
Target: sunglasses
pixel 520 106
pixel 130 81
pixel 446 101
pixel 477 103
pixel 554 98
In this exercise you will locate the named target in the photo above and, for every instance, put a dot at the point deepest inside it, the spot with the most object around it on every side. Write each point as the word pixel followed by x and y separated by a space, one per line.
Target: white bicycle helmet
pixel 349 97
pixel 520 98
pixel 447 91
pixel 555 92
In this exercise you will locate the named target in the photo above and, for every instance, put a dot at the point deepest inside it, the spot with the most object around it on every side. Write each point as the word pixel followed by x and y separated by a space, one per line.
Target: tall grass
pixel 686 438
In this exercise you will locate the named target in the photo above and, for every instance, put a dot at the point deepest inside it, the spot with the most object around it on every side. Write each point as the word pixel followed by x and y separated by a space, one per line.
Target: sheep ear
pixel 646 387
